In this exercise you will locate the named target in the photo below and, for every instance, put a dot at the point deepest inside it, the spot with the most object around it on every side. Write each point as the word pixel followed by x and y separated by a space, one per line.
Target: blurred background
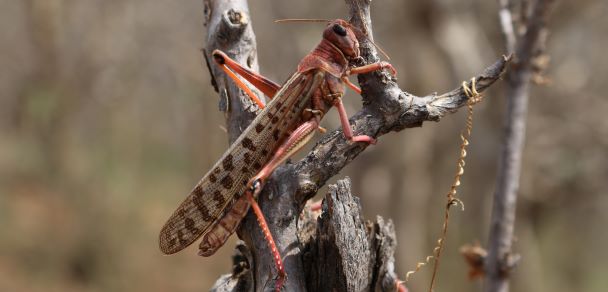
pixel 108 118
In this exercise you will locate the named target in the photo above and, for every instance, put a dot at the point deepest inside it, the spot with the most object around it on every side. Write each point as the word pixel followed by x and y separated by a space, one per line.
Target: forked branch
pixel 386 109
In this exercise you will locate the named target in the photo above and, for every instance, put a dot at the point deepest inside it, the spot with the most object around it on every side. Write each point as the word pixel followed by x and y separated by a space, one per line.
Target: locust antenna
pixel 329 20
pixel 379 49
pixel 371 41
pixel 301 20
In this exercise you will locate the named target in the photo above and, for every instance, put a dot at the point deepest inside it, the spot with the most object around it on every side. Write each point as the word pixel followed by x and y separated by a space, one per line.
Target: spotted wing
pixel 215 193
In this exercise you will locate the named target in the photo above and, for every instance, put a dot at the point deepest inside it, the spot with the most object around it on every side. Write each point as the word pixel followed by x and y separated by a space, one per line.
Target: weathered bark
pixel 386 108
pixel 339 249
pixel 346 252
pixel 229 29
pixel 501 260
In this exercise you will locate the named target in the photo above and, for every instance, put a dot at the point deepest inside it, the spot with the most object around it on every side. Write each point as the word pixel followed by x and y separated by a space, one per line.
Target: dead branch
pixel 229 29
pixel 346 252
pixel 386 108
pixel 501 260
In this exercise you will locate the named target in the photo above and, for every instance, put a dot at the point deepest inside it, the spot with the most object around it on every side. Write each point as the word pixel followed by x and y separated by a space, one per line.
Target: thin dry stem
pixel 499 264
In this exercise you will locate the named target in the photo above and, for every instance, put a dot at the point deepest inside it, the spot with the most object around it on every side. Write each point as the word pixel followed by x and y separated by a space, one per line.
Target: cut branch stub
pixel 232 26
pixel 348 253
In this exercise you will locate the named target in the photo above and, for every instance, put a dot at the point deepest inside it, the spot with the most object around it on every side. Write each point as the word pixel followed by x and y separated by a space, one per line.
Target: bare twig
pixel 386 109
pixel 500 258
pixel 506 23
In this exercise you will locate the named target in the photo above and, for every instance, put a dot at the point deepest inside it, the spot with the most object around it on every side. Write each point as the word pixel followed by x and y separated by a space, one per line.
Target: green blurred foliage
pixel 107 119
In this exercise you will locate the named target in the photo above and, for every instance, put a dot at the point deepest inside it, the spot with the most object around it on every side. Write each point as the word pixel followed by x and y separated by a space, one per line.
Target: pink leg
pixel 366 69
pixel 243 86
pixel 351 85
pixel 278 262
pixel 399 287
pixel 348 132
pixel 316 206
pixel 296 140
pixel 372 67
pixel 267 86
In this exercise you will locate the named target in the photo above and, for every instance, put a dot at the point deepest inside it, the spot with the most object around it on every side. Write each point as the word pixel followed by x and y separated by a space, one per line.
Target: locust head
pixel 340 34
pixel 338 50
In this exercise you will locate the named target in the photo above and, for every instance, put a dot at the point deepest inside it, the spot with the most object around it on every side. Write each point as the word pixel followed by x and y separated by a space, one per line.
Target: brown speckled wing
pixel 217 191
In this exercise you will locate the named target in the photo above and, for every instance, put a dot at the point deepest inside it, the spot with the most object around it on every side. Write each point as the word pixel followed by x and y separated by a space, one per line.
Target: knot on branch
pixel 233 24
pixel 508 263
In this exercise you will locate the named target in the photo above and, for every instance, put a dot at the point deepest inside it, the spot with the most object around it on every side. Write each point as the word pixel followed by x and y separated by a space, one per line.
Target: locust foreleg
pixel 348 132
pixel 366 69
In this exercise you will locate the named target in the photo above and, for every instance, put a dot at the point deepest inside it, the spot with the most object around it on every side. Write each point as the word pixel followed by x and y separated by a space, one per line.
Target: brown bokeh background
pixel 108 118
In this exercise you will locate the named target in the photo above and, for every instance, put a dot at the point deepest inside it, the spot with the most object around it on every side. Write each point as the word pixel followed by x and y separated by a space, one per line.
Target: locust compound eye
pixel 340 30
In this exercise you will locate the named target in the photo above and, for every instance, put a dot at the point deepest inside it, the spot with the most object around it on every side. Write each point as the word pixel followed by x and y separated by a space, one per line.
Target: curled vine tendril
pixel 473 98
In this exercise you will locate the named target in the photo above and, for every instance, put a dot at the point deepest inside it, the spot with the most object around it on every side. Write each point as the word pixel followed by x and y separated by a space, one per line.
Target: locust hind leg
pixel 294 142
pixel 234 69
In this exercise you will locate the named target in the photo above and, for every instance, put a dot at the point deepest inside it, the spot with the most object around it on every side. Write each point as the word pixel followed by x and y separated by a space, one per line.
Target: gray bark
pixel 346 252
pixel 501 260
pixel 229 29
pixel 386 108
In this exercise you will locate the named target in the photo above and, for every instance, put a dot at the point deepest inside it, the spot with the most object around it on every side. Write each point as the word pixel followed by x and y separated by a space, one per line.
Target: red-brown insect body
pixel 332 55
pixel 221 199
